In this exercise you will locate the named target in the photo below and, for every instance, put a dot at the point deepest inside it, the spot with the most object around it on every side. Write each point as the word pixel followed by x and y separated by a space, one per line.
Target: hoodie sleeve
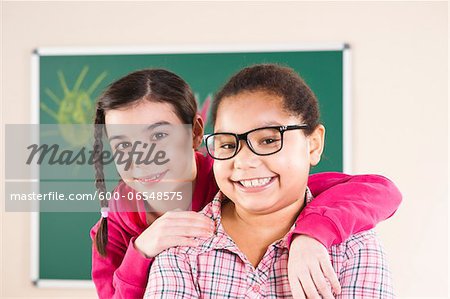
pixel 345 205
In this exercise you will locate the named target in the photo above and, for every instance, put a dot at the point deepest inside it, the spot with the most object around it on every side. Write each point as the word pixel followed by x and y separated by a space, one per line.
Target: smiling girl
pixel 127 240
pixel 261 166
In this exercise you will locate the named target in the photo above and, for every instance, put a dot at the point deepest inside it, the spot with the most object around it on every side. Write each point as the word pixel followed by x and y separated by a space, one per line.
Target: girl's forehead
pixel 257 94
pixel 145 112
pixel 247 111
pixel 255 100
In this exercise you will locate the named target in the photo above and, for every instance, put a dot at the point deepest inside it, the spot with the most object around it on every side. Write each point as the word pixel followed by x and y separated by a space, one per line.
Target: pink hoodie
pixel 343 205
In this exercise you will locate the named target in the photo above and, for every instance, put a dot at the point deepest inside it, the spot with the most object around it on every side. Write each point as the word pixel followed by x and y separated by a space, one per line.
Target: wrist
pixel 297 238
pixel 137 244
pixel 319 227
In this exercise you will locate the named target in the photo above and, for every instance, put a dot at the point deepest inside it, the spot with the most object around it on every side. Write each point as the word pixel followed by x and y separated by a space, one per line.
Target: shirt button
pixel 255 288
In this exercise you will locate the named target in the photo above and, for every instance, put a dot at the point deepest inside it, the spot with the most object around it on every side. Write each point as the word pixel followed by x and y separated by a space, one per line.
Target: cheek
pixel 221 173
pixel 292 164
pixel 180 164
pixel 286 164
pixel 125 171
pixel 122 172
pixel 180 152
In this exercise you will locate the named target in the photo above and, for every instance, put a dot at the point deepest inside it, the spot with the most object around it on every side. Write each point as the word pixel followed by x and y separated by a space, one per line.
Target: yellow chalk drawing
pixel 75 107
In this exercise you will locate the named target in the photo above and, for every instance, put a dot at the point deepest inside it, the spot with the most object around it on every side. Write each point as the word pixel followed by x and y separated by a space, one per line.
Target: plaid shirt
pixel 218 269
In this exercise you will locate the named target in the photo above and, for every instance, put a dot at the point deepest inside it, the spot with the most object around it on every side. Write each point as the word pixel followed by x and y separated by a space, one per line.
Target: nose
pixel 140 154
pixel 245 158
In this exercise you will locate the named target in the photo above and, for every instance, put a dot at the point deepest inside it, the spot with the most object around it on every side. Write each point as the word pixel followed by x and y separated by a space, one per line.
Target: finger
pixel 168 223
pixel 187 231
pixel 321 283
pixel 189 215
pixel 308 285
pixel 191 218
pixel 329 273
pixel 182 241
pixel 296 287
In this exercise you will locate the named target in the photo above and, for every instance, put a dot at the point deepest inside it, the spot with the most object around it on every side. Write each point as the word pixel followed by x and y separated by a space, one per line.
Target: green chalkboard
pixel 63 75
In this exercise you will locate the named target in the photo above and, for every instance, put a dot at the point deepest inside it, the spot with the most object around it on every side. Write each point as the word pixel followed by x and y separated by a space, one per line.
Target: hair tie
pixel 104 212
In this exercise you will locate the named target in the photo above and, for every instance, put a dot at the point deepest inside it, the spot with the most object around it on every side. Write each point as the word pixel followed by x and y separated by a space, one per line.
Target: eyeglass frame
pixel 243 136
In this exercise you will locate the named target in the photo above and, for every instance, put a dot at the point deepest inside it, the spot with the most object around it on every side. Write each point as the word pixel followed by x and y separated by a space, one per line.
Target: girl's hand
pixel 309 268
pixel 173 229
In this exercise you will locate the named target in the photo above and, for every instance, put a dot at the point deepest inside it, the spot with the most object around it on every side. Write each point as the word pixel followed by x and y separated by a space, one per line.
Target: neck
pixel 194 170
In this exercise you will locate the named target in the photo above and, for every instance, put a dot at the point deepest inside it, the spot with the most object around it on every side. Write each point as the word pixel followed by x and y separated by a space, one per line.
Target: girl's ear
pixel 198 128
pixel 316 144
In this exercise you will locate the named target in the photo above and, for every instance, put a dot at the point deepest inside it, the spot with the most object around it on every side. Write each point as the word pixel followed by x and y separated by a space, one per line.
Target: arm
pixel 171 276
pixel 124 271
pixel 364 272
pixel 345 205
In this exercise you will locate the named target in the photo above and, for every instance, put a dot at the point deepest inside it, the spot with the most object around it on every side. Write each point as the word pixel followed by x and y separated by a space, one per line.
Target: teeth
pixel 151 178
pixel 255 182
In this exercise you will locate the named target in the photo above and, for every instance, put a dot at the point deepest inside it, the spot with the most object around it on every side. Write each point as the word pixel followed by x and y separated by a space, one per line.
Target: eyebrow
pixel 261 125
pixel 270 124
pixel 158 124
pixel 149 128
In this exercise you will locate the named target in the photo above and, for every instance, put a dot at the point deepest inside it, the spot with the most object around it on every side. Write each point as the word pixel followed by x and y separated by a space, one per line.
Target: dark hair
pixel 298 98
pixel 156 85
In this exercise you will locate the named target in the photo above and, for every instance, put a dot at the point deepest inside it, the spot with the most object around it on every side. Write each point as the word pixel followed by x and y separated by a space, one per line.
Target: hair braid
pixel 101 237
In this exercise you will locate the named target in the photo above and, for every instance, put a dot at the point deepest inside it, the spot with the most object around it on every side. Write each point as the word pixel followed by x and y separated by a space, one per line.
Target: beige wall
pixel 399 53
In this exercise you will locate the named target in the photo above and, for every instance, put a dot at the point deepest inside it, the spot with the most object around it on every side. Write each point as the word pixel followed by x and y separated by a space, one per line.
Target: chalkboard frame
pixel 175 49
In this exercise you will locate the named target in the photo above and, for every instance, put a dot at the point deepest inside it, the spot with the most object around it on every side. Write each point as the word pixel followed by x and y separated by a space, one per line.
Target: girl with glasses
pixel 261 167
pixel 126 240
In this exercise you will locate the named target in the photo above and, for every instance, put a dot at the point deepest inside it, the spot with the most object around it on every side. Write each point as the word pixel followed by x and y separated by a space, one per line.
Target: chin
pixel 255 205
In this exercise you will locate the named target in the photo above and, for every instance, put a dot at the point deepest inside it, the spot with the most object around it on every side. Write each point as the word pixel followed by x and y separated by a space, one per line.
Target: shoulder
pixel 363 243
pixel 179 257
pixel 205 245
pixel 185 257
pixel 362 267
pixel 362 238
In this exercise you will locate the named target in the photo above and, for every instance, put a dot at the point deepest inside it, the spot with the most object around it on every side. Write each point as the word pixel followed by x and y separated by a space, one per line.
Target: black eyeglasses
pixel 262 141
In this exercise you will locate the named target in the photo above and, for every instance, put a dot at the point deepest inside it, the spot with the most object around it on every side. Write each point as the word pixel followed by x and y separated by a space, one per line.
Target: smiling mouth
pixel 256 183
pixel 151 178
